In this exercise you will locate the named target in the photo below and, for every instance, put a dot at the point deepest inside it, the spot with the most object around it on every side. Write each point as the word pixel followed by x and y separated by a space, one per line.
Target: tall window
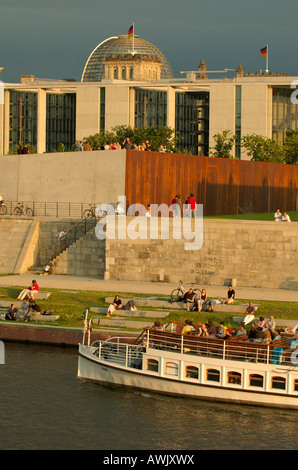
pixel 284 113
pixel 22 119
pixel 103 108
pixel 150 108
pixel 192 122
pixel 238 121
pixel 61 121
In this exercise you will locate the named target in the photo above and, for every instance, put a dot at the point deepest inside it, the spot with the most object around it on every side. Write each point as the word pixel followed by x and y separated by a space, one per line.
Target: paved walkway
pixel 154 288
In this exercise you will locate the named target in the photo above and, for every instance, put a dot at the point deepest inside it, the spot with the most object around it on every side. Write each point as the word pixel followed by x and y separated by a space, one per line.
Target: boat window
pixel 296 385
pixel 152 365
pixel 256 380
pixel 213 375
pixel 234 378
pixel 192 372
pixel 171 368
pixel 278 382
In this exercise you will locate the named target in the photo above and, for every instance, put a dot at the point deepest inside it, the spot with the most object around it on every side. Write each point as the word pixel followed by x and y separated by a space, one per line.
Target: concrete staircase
pixel 86 258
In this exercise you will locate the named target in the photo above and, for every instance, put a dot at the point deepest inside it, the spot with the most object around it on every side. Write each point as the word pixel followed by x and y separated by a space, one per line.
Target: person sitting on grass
pixel 30 292
pixel 230 296
pixel 11 313
pixel 117 305
pixel 211 303
pixel 189 298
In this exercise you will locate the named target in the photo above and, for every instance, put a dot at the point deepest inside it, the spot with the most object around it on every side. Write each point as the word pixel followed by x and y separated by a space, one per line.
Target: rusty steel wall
pixel 223 186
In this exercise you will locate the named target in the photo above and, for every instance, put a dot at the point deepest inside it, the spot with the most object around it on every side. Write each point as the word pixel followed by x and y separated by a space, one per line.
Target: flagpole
pixel 133 39
pixel 267 68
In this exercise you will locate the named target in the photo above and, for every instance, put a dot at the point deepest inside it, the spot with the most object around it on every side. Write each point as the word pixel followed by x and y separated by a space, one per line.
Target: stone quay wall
pixel 252 254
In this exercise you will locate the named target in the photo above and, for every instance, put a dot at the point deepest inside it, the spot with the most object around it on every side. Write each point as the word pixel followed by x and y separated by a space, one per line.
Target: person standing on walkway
pixel 192 205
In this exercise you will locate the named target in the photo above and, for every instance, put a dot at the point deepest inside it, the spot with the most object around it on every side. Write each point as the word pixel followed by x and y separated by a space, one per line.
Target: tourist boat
pixel 167 362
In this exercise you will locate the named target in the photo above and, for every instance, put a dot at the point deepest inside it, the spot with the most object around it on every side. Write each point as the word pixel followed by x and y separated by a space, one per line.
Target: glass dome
pixel 121 46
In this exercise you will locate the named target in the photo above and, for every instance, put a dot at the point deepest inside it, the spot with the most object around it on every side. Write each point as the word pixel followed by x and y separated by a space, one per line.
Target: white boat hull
pixel 104 372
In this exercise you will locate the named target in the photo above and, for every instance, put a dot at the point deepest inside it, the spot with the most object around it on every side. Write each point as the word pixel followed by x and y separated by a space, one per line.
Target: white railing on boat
pixel 119 351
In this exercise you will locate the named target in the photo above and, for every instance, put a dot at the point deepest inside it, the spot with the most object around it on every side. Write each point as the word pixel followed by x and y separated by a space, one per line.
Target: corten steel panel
pixel 223 186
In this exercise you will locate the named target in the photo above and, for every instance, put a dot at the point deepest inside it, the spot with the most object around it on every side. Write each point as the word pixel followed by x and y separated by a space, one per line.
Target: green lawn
pixel 266 216
pixel 70 307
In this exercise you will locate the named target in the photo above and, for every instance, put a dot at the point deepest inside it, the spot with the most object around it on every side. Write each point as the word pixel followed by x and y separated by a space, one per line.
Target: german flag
pixel 130 32
pixel 264 52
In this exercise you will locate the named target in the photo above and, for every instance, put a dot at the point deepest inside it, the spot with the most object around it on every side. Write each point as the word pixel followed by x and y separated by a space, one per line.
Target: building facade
pixel 125 83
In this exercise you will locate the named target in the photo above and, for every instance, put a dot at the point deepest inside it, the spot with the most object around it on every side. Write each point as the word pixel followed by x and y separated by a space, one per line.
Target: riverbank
pixel 70 296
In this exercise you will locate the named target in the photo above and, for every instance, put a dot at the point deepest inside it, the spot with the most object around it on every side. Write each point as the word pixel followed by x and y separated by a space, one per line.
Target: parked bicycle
pixel 3 208
pixel 178 293
pixel 20 210
pixel 94 212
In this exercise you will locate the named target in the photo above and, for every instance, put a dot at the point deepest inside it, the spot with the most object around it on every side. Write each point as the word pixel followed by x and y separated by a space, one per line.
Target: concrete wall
pixel 97 176
pixel 13 236
pixel 258 254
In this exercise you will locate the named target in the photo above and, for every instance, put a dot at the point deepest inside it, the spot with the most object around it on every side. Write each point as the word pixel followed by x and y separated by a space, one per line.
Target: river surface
pixel 45 406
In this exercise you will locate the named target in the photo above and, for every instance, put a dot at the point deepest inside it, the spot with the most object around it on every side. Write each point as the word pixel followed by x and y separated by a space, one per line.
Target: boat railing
pixel 117 351
pixel 120 350
pixel 213 347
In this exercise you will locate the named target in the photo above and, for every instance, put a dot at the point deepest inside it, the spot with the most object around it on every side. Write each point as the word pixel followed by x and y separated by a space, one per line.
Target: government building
pixel 128 81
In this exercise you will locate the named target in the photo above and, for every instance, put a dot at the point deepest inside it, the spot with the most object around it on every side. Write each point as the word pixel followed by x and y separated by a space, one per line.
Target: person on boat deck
pixel 187 328
pixel 230 296
pixel 261 324
pixel 270 325
pixel 223 331
pixel 241 330
pixel 252 333
pixel 117 305
pixel 250 314
pixel 157 325
pixel 204 330
pixel 189 298
pixel 267 337
pixel 212 328
pixel 31 291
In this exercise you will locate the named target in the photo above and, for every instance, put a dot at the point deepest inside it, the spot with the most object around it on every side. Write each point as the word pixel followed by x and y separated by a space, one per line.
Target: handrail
pixel 69 238
pixel 61 209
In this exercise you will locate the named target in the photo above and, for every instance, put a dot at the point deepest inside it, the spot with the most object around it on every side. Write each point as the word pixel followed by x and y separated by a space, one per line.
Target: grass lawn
pixel 70 307
pixel 265 216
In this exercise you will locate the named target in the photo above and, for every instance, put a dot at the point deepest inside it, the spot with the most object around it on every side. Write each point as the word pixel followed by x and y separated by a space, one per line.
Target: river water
pixel 45 406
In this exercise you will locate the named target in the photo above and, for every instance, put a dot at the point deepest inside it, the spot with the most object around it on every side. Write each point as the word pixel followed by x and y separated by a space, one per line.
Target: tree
pixel 157 136
pixel 223 145
pixel 291 147
pixel 262 149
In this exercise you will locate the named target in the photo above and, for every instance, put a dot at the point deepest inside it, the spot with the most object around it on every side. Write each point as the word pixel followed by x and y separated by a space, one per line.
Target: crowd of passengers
pixel 260 331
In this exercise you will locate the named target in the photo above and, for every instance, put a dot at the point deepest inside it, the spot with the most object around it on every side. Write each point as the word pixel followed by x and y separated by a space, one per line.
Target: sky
pixel 54 38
